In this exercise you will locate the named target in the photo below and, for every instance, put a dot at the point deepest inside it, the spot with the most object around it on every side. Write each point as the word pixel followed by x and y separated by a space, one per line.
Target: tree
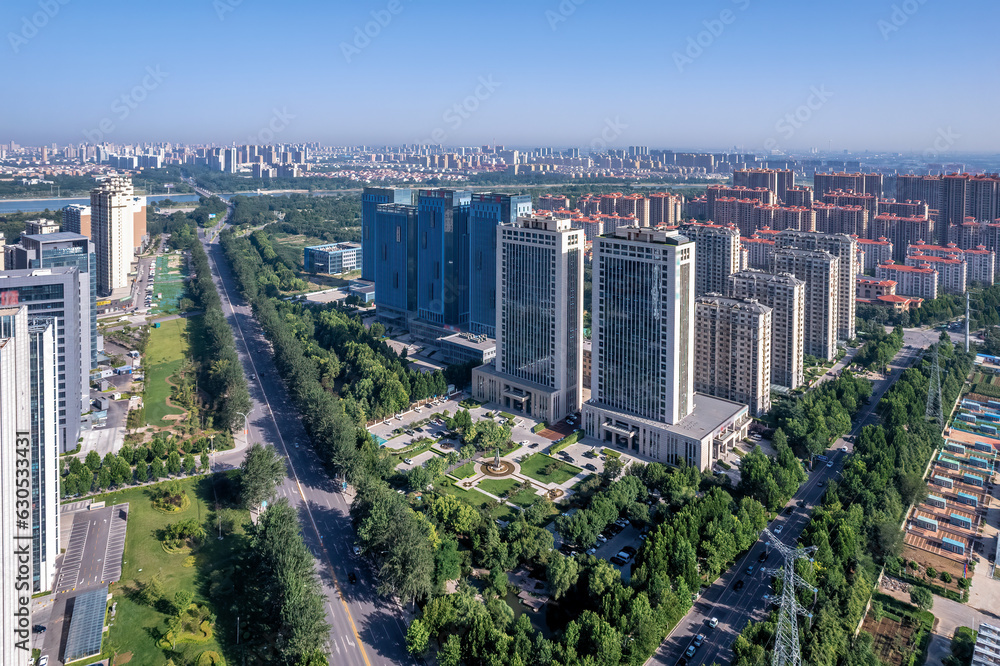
pixel 156 471
pixel 174 462
pixel 93 461
pixel 182 600
pixel 205 461
pixel 261 471
pixel 613 468
pixel 141 472
pixel 152 590
pixel 563 573
pixel 417 638
pixel 921 597
pixel 189 464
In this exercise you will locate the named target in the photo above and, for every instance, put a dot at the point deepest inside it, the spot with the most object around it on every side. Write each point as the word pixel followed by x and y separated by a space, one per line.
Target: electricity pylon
pixel 935 410
pixel 786 637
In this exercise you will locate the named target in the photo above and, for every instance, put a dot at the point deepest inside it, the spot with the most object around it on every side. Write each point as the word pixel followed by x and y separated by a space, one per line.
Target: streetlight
pixel 246 425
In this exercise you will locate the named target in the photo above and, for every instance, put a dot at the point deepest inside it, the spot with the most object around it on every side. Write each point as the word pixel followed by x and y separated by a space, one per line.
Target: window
pixel 399 233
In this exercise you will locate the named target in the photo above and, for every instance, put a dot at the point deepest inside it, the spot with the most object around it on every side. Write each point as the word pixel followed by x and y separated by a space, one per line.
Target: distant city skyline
pixel 575 73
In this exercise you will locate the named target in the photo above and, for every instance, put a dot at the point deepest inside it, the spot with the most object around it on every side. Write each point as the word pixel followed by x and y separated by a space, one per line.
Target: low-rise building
pixel 334 258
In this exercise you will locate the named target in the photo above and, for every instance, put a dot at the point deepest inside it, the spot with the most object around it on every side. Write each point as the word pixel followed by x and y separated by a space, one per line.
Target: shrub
pixel 945 576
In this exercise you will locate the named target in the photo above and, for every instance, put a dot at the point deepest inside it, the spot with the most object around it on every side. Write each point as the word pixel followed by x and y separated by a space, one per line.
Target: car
pixel 822 458
pixel 844 449
pixel 738 585
pixel 617 560
pixel 408 461
pixel 762 556
pixel 749 569
pixel 352 578
pixel 533 445
pixel 630 550
pixel 821 484
pixel 591 551
pixel 591 467
pixel 38 629
pixel 789 510
pixel 357 549
pixel 624 555
pixel 602 538
pixel 44 661
pixel 777 530
pixel 714 622
pixel 682 662
pixel 253 378
pixel 800 503
pixel 643 537
pixel 690 651
pixel 699 640
pixel 295 444
pixel 830 464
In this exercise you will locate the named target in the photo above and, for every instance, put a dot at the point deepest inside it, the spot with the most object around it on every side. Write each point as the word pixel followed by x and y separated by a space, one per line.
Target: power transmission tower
pixel 966 322
pixel 786 638
pixel 935 410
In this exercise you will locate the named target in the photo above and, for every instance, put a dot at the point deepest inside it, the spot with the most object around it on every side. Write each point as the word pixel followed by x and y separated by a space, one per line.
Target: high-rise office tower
pixel 393 248
pixel 539 276
pixel 733 350
pixel 785 294
pixel 488 210
pixel 112 228
pixel 443 257
pixel 15 466
pixel 717 255
pixel 845 248
pixel 371 197
pixel 642 384
pixel 820 271
pixel 66 249
pixel 59 293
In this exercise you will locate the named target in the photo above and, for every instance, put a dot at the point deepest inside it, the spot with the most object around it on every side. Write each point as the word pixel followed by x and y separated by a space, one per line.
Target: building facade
pixel 443 257
pixel 919 281
pixel 394 230
pixel 718 255
pixel 334 258
pixel 112 228
pixel 539 364
pixel 845 248
pixel 371 197
pixel 820 271
pixel 786 296
pixel 733 350
pixel 487 211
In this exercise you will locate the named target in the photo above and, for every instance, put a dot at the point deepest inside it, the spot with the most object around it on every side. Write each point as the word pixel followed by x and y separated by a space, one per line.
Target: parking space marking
pixel 70 569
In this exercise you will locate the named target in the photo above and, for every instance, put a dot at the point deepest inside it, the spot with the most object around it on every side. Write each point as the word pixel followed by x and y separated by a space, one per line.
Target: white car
pixel 777 530
pixel 714 622
pixel 408 461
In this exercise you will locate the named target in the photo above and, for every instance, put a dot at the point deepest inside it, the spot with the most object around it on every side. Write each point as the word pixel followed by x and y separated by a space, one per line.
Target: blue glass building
pixel 395 264
pixel 443 257
pixel 487 211
pixel 370 199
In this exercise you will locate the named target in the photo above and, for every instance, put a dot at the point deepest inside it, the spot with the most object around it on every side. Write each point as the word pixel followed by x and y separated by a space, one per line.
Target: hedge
pixel 539 427
pixel 571 438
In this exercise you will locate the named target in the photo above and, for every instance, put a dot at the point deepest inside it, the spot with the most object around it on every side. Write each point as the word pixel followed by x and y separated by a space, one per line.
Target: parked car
pixel 408 461
pixel 738 585
pixel 630 550
pixel 690 651
pixel 617 560
pixel 591 467
pixel 357 549
pixel 714 622
pixel 699 640
pixel 777 530
pixel 602 538
pixel 624 555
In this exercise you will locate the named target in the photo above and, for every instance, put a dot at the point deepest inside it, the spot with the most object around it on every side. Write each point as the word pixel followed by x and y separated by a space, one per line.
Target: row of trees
pixel 221 373
pixel 819 416
pixel 771 481
pixel 880 347
pixel 857 527
pixel 117 470
pixel 334 219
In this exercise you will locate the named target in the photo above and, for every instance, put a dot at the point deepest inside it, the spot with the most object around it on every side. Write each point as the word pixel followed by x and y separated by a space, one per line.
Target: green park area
pixel 168 287
pixel 546 469
pixel 464 471
pixel 165 355
pixel 177 576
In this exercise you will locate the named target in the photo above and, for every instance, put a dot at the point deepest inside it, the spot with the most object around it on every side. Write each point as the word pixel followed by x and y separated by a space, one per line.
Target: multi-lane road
pixel 733 607
pixel 365 628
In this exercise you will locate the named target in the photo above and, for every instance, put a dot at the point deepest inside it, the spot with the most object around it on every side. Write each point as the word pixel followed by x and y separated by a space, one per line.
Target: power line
pixel 786 637
pixel 935 409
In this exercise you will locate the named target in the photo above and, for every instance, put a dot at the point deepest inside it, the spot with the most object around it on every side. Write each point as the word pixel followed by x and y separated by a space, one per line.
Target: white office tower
pixel 111 223
pixel 733 350
pixel 820 271
pixel 15 491
pixel 786 296
pixel 845 248
pixel 44 416
pixel 642 384
pixel 539 314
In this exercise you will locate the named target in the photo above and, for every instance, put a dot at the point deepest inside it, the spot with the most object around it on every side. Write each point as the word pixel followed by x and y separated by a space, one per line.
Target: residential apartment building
pixel 952 271
pixel 717 255
pixel 642 387
pixel 783 217
pixel 820 271
pixel 980 262
pixel 844 198
pixel 487 211
pixel 113 227
pixel 776 180
pixel 733 350
pixel 800 196
pixel 864 183
pixel 902 231
pixel 919 281
pixel 538 369
pixel 665 209
pixel 871 253
pixel 760 252
pixel 786 296
pixel 76 218
pixel 845 248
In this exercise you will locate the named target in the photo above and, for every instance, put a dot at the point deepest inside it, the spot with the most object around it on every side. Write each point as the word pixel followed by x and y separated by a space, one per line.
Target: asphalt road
pixel 366 629
pixel 735 608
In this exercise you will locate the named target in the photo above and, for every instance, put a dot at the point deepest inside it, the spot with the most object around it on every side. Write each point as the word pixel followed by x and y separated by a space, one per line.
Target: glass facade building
pixel 371 197
pixel 487 211
pixel 443 257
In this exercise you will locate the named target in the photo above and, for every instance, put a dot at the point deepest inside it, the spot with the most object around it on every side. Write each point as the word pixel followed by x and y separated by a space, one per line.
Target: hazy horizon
pixel 730 74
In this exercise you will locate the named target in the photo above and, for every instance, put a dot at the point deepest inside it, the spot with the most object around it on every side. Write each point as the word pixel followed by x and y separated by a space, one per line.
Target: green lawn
pixel 165 355
pixel 465 471
pixel 535 463
pixel 137 626
pixel 170 283
pixel 470 497
pixel 525 498
pixel 497 486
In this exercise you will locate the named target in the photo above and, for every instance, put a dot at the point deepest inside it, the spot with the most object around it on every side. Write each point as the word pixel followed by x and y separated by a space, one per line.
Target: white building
pixel 112 226
pixel 539 313
pixel 642 383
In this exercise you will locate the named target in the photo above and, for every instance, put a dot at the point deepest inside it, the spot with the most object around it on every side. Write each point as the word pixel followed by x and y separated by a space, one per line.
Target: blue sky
pixel 716 74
